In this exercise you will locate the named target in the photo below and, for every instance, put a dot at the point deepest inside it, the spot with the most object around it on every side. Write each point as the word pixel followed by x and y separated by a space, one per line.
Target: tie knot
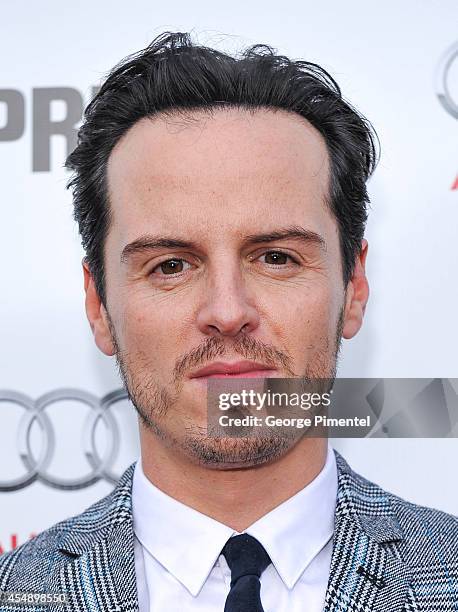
pixel 245 556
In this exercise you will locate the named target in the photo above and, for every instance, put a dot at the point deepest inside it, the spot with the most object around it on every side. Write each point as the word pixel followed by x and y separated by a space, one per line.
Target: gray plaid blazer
pixel 388 555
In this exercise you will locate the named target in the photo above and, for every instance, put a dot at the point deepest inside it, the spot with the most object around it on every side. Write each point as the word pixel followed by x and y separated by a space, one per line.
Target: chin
pixel 236 453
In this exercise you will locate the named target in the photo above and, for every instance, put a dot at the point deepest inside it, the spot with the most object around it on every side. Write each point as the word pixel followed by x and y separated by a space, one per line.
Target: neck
pixel 234 497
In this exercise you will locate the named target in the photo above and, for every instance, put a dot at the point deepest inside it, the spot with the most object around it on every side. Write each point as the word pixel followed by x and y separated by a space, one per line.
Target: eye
pixel 277 258
pixel 171 267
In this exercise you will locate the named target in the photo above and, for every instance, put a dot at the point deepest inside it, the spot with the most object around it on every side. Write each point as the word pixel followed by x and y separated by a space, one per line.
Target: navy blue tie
pixel 247 559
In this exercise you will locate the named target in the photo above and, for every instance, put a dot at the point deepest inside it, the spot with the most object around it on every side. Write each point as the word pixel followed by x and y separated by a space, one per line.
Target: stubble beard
pixel 154 402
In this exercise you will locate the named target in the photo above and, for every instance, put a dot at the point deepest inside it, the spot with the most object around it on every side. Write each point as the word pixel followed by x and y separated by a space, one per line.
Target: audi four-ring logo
pixel 442 84
pixel 37 467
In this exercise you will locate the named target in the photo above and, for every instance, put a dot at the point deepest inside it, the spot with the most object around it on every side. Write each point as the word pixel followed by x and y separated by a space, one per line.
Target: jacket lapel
pixel 99 575
pixel 367 573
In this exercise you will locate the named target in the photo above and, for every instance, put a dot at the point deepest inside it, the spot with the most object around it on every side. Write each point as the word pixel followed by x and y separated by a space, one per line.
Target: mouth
pixel 239 369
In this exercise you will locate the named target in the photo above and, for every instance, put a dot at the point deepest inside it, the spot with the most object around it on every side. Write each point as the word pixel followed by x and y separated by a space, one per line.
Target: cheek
pixel 305 322
pixel 152 333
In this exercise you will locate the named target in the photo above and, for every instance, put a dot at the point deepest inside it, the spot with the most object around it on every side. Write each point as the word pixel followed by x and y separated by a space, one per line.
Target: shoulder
pixel 29 566
pixel 429 548
pixel 427 535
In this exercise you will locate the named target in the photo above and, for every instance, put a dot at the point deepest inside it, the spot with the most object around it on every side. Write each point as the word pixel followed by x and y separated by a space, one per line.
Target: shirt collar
pixel 188 543
pixel 295 532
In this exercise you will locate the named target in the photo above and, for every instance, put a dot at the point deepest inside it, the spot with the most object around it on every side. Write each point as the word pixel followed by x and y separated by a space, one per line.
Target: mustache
pixel 244 345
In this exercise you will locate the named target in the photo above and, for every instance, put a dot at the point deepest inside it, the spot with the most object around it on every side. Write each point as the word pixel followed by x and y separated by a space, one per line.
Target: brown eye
pixel 276 258
pixel 171 266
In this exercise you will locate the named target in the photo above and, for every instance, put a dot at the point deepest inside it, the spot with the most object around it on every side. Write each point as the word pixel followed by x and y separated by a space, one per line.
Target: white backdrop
pixel 387 59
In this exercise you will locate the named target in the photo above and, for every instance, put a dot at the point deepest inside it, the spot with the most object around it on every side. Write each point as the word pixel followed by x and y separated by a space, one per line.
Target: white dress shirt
pixel 178 560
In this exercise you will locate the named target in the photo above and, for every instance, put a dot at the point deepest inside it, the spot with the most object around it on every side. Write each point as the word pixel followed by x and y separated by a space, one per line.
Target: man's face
pixel 221 250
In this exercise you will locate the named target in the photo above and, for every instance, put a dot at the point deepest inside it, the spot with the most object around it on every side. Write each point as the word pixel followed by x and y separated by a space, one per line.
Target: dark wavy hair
pixel 173 74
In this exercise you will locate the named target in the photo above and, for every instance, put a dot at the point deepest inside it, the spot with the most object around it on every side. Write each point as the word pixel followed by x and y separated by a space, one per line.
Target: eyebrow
pixel 294 232
pixel 149 242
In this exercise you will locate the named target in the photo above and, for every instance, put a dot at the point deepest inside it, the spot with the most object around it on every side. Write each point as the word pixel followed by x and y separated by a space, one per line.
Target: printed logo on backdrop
pixel 448 64
pixel 13 542
pixel 389 408
pixel 47 102
pixel 37 459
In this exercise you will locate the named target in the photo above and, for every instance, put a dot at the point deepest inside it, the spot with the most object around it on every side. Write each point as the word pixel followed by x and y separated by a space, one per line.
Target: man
pixel 222 204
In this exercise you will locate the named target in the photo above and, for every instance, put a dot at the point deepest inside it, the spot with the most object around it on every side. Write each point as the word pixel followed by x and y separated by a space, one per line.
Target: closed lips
pixel 240 368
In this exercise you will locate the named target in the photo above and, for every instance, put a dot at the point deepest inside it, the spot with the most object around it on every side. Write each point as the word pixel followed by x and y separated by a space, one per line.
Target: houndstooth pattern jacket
pixel 388 555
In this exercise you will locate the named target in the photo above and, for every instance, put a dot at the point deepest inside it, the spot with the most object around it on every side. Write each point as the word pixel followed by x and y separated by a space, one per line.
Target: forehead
pixel 228 167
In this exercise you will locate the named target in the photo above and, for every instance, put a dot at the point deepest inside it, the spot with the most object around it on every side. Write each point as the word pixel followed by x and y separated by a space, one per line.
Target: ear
pixel 357 295
pixel 97 314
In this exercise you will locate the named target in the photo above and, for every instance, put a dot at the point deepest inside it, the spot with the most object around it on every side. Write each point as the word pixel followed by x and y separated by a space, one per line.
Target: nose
pixel 227 310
